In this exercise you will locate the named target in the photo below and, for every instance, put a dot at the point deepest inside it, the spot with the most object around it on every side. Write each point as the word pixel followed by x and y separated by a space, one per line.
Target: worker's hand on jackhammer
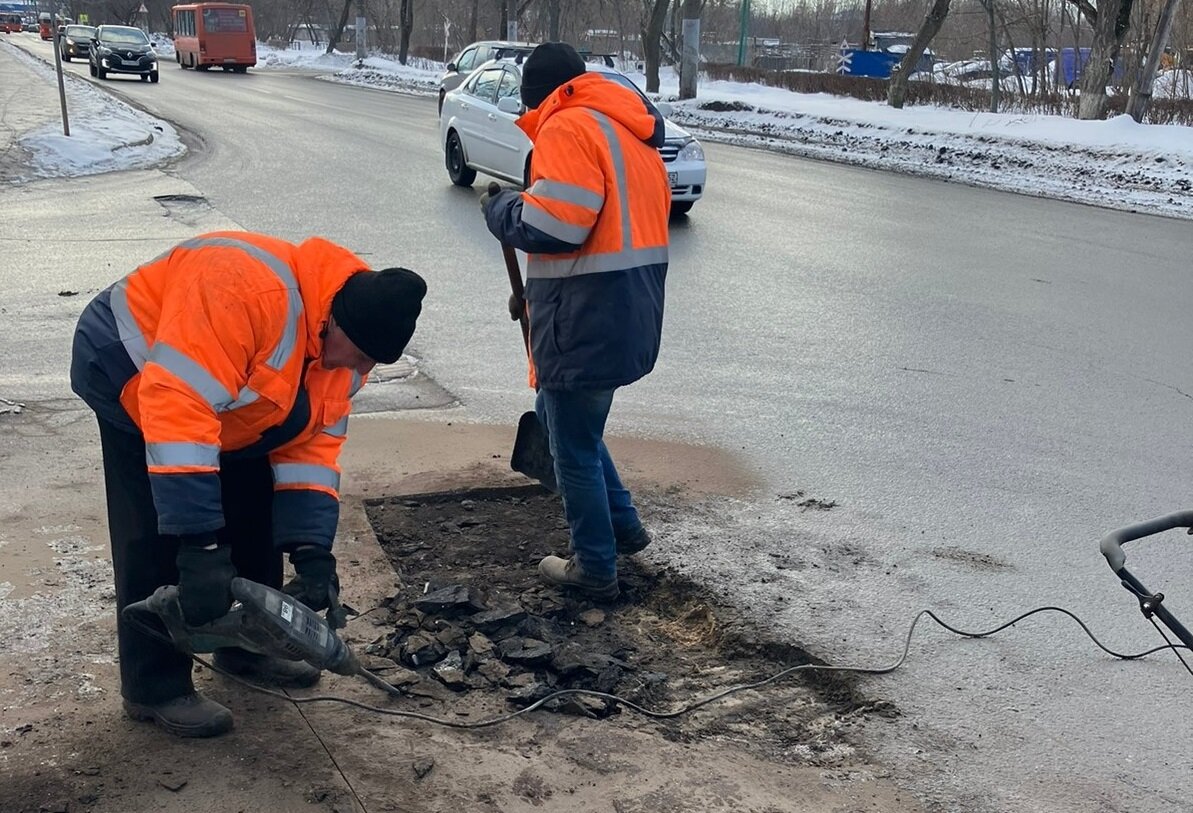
pixel 315 576
pixel 205 574
pixel 517 307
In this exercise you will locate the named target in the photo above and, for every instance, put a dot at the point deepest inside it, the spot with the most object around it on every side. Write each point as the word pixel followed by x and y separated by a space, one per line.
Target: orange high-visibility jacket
pixel 213 349
pixel 594 221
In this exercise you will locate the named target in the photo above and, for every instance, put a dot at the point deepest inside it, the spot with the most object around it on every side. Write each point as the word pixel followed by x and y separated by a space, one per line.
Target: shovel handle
pixel 515 275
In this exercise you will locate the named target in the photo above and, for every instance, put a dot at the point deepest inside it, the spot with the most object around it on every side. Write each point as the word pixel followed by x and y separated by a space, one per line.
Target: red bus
pixel 11 23
pixel 218 35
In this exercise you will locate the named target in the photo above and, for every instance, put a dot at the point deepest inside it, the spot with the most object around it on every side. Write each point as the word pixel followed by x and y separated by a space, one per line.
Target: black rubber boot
pixel 191 715
pixel 262 668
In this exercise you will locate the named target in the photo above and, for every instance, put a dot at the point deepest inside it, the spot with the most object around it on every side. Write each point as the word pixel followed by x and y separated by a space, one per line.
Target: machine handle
pixel 1112 544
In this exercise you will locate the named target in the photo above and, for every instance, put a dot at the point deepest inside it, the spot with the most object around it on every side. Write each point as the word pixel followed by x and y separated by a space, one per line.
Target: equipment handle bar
pixel 1112 544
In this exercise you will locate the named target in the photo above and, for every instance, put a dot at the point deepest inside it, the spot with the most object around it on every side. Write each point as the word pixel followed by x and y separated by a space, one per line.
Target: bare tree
pixel 406 25
pixel 334 38
pixel 652 34
pixel 1111 20
pixel 1141 91
pixel 896 92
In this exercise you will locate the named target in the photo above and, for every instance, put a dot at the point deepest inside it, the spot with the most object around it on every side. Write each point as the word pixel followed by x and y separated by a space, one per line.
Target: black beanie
pixel 378 309
pixel 548 66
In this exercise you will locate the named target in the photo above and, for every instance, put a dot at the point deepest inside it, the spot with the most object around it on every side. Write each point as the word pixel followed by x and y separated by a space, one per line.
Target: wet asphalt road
pixel 984 384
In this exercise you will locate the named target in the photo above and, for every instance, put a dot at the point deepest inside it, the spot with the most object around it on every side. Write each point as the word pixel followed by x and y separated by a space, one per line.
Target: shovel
pixel 532 452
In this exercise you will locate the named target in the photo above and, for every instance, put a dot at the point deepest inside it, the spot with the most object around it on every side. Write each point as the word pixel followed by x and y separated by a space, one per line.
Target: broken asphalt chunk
pixel 492 620
pixel 457 598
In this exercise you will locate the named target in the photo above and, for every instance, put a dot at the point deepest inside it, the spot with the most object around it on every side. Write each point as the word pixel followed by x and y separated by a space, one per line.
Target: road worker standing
pixel 221 374
pixel 594 222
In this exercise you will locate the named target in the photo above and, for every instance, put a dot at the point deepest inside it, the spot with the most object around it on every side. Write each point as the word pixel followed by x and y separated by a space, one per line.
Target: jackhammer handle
pixel 1112 544
pixel 515 275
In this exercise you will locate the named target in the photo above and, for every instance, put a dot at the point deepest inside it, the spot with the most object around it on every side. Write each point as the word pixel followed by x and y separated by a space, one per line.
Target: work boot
pixel 191 715
pixel 633 543
pixel 275 671
pixel 567 573
pixel 628 544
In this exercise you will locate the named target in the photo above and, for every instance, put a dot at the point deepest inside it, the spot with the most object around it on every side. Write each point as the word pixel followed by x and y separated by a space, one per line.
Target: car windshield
pixel 126 36
pixel 80 31
pixel 624 81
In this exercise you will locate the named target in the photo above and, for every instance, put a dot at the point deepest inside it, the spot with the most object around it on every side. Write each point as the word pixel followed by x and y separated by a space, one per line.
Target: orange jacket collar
pixel 323 268
pixel 594 92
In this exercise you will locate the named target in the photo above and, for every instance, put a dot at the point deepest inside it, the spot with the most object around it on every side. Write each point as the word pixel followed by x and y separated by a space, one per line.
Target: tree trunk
pixel 897 91
pixel 1113 20
pixel 995 73
pixel 338 32
pixel 689 66
pixel 1141 92
pixel 553 14
pixel 652 35
pixel 407 25
pixel 474 20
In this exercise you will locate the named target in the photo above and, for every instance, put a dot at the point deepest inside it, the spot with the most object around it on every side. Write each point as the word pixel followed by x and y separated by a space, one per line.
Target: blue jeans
pixel 598 507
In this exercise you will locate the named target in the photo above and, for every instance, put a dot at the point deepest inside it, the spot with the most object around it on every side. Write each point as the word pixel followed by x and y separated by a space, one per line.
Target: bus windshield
pixel 224 21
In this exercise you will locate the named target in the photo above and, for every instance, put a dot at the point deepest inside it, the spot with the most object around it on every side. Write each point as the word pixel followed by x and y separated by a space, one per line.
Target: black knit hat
pixel 378 310
pixel 548 66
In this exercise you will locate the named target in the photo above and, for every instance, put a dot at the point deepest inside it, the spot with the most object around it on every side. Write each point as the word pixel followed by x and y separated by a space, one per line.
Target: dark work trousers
pixel 152 671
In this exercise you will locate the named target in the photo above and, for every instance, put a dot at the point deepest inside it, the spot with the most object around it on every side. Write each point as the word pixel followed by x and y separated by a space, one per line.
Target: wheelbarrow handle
pixel 1112 544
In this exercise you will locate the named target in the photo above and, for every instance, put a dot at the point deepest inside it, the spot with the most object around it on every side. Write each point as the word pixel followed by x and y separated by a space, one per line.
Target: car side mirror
pixel 665 109
pixel 511 104
pixel 451 66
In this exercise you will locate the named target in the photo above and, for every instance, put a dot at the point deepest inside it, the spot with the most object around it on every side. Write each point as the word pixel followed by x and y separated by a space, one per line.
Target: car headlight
pixel 692 151
pixel 69 41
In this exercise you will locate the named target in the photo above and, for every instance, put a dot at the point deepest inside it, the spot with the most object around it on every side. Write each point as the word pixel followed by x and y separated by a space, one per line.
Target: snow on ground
pixel 1116 163
pixel 420 77
pixel 105 133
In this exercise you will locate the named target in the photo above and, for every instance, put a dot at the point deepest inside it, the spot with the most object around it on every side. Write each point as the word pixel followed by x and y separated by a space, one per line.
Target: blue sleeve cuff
pixel 187 503
pixel 304 517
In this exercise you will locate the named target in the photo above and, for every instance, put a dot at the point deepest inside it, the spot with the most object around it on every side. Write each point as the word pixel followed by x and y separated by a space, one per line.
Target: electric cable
pixel 693 706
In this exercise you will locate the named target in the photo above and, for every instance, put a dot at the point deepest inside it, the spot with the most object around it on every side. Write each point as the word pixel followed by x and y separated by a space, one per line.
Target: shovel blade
pixel 532 452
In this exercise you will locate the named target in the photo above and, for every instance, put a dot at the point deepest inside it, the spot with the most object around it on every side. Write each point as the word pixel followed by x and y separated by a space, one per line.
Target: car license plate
pixel 673 178
pixel 131 61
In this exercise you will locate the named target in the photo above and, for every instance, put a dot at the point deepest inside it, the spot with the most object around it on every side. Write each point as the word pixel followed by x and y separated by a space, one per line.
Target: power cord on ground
pixel 690 707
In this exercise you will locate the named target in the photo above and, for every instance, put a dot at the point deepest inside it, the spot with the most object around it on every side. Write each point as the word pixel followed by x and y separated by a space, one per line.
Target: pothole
pixel 473 628
pixel 188 209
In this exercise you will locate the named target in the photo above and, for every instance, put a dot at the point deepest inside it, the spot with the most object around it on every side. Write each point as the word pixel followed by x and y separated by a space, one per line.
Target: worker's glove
pixel 493 191
pixel 517 307
pixel 205 574
pixel 315 576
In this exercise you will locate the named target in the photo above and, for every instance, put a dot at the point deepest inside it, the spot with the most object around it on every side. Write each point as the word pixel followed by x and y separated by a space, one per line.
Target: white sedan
pixel 478 134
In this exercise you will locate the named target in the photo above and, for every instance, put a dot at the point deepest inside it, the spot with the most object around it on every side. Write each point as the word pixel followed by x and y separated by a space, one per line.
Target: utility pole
pixel 866 26
pixel 61 85
pixel 745 32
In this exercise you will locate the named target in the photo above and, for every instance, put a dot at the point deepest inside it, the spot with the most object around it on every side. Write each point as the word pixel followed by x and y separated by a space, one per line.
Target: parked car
pixel 475 55
pixel 122 49
pixel 478 134
pixel 75 40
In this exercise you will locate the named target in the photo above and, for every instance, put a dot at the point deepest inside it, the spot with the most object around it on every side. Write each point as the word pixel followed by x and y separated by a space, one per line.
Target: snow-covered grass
pixel 105 133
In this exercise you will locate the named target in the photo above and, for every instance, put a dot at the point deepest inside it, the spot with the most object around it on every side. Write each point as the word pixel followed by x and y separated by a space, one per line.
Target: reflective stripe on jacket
pixel 212 349
pixel 594 221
